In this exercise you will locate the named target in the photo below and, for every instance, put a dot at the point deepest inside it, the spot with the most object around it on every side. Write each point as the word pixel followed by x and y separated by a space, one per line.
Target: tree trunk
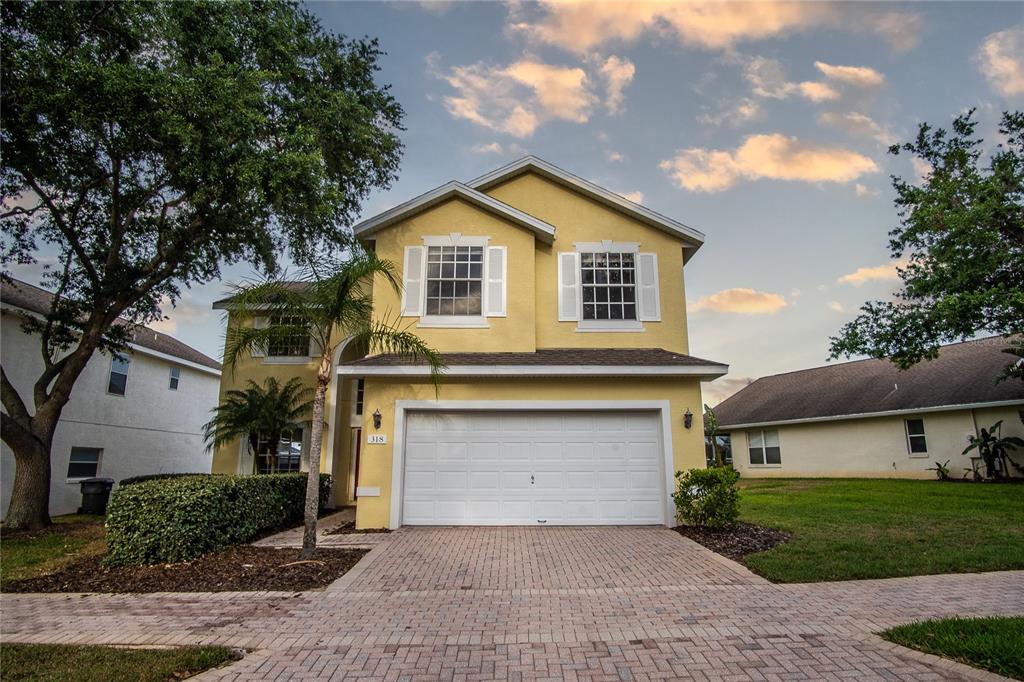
pixel 316 437
pixel 30 495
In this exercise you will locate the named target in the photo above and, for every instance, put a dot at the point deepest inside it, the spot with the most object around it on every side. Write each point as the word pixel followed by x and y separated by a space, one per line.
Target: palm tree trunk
pixel 316 437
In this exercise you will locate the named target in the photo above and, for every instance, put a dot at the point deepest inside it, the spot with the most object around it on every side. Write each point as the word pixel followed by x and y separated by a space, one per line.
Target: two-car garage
pixel 517 467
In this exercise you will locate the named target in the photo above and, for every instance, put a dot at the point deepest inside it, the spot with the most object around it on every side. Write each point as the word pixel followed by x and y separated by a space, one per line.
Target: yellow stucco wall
pixel 375 469
pixel 874 447
pixel 579 219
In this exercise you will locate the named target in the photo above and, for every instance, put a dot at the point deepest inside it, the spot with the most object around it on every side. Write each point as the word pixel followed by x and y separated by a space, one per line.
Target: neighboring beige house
pixel 569 396
pixel 869 419
pixel 138 413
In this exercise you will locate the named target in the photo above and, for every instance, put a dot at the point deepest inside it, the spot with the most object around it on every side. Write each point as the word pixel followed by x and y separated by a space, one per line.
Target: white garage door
pixel 528 468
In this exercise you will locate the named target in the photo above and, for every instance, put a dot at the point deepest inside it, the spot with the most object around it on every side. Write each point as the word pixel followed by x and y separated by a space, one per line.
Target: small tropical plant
pixel 266 411
pixel 711 432
pixel 941 470
pixel 708 497
pixel 994 447
pixel 332 304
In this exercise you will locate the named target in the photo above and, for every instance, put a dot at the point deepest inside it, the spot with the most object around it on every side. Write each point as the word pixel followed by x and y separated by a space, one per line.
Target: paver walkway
pixel 293 536
pixel 539 603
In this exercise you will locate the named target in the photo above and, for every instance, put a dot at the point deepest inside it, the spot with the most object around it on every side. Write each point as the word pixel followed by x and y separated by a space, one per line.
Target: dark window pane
pixel 756 456
pixel 772 456
pixel 915 427
pixel 918 444
pixel 117 384
pixel 83 463
pixel 589 311
pixel 629 311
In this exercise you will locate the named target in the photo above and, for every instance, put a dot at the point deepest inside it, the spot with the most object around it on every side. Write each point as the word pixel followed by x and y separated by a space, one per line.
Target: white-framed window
pixel 295 344
pixel 917 444
pixel 454 281
pixel 175 378
pixel 117 381
pixel 763 448
pixel 84 463
pixel 608 286
pixel 287 458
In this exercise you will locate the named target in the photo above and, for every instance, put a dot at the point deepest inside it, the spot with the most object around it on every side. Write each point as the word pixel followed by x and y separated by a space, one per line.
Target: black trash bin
pixel 95 493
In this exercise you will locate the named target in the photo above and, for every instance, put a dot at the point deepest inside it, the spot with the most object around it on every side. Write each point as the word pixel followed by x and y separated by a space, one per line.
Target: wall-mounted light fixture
pixel 688 418
pixel 376 419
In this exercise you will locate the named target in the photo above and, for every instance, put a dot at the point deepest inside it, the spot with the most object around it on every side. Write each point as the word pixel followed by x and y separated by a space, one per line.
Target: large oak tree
pixel 147 144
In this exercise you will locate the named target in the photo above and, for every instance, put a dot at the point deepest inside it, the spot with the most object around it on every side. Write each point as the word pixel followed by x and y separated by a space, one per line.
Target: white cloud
pixel 836 306
pixel 857 124
pixel 188 311
pixel 492 148
pixel 768 79
pixel 746 109
pixel 740 301
pixel 636 197
pixel 720 389
pixel 859 76
pixel 1001 60
pixel 617 73
pixel 583 27
pixel 613 156
pixel 864 190
pixel 921 167
pixel 902 30
pixel 517 98
pixel 774 156
pixel 862 275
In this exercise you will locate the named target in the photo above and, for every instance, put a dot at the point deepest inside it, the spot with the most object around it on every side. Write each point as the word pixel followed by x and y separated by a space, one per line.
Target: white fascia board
pixel 543 230
pixel 694 237
pixel 869 415
pixel 701 371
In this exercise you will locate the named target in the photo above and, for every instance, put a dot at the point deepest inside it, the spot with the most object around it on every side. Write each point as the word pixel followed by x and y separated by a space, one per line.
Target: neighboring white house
pixel 139 413
pixel 869 419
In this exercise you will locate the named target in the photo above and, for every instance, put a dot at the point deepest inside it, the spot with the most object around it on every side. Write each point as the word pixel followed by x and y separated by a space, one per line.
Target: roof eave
pixel 544 231
pixel 702 372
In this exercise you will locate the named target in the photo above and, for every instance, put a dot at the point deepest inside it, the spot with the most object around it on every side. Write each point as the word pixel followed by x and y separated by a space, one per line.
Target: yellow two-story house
pixel 569 396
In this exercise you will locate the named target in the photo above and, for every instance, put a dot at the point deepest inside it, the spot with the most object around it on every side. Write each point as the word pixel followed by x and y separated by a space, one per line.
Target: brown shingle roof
pixel 643 357
pixel 963 374
pixel 32 298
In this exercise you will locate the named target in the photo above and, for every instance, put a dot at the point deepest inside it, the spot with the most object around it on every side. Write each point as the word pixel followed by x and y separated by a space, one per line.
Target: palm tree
pixel 331 303
pixel 269 411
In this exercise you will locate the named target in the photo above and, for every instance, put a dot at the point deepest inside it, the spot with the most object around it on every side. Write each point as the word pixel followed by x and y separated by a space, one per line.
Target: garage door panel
pixel 522 468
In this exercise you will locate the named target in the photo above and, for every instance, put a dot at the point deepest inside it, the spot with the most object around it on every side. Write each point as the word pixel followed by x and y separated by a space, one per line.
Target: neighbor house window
pixel 608 282
pixel 724 442
pixel 357 408
pixel 175 378
pixel 291 345
pixel 287 458
pixel 916 443
pixel 117 383
pixel 455 280
pixel 84 462
pixel 764 447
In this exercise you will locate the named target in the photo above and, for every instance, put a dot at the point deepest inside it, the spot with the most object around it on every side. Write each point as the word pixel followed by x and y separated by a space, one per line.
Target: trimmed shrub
pixel 132 480
pixel 708 497
pixel 177 519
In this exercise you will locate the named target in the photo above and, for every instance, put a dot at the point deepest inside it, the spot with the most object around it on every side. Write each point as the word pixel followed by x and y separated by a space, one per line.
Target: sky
pixel 765 126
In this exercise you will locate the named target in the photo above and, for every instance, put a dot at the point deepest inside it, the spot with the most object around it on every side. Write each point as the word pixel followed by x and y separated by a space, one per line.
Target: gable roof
pixel 23 295
pixel 693 238
pixel 543 230
pixel 963 374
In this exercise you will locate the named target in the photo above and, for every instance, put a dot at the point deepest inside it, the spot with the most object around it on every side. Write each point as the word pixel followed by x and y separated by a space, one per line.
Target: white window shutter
pixel 259 350
pixel 497 261
pixel 412 282
pixel 315 349
pixel 648 296
pixel 568 287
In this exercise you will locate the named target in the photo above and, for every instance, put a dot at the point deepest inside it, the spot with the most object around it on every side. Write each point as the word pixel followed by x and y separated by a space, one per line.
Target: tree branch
pixel 12 401
pixel 66 230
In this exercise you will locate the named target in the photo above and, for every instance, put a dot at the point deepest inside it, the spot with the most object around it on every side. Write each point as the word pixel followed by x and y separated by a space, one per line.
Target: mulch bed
pixel 736 542
pixel 349 528
pixel 242 568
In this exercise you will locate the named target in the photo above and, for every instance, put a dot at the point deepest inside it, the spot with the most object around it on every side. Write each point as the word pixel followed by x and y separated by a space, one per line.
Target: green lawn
pixel 58 662
pixel 23 555
pixel 847 529
pixel 995 644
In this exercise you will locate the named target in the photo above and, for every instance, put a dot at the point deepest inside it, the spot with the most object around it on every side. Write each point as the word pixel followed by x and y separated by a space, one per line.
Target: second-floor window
pixel 455 280
pixel 291 345
pixel 608 282
pixel 117 382
pixel 175 378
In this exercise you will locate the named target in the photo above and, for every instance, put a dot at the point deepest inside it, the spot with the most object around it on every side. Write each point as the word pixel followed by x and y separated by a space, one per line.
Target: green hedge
pixel 177 519
pixel 132 480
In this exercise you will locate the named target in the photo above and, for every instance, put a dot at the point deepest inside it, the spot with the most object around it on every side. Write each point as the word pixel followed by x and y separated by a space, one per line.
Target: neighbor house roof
pixel 547 361
pixel 543 230
pixel 693 238
pixel 36 300
pixel 964 374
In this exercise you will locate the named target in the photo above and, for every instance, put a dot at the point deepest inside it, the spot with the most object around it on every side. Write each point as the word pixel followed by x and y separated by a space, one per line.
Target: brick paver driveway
pixel 527 603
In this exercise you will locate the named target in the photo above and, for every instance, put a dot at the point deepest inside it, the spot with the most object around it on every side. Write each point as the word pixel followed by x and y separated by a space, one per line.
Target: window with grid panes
pixel 455 280
pixel 608 282
pixel 290 345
